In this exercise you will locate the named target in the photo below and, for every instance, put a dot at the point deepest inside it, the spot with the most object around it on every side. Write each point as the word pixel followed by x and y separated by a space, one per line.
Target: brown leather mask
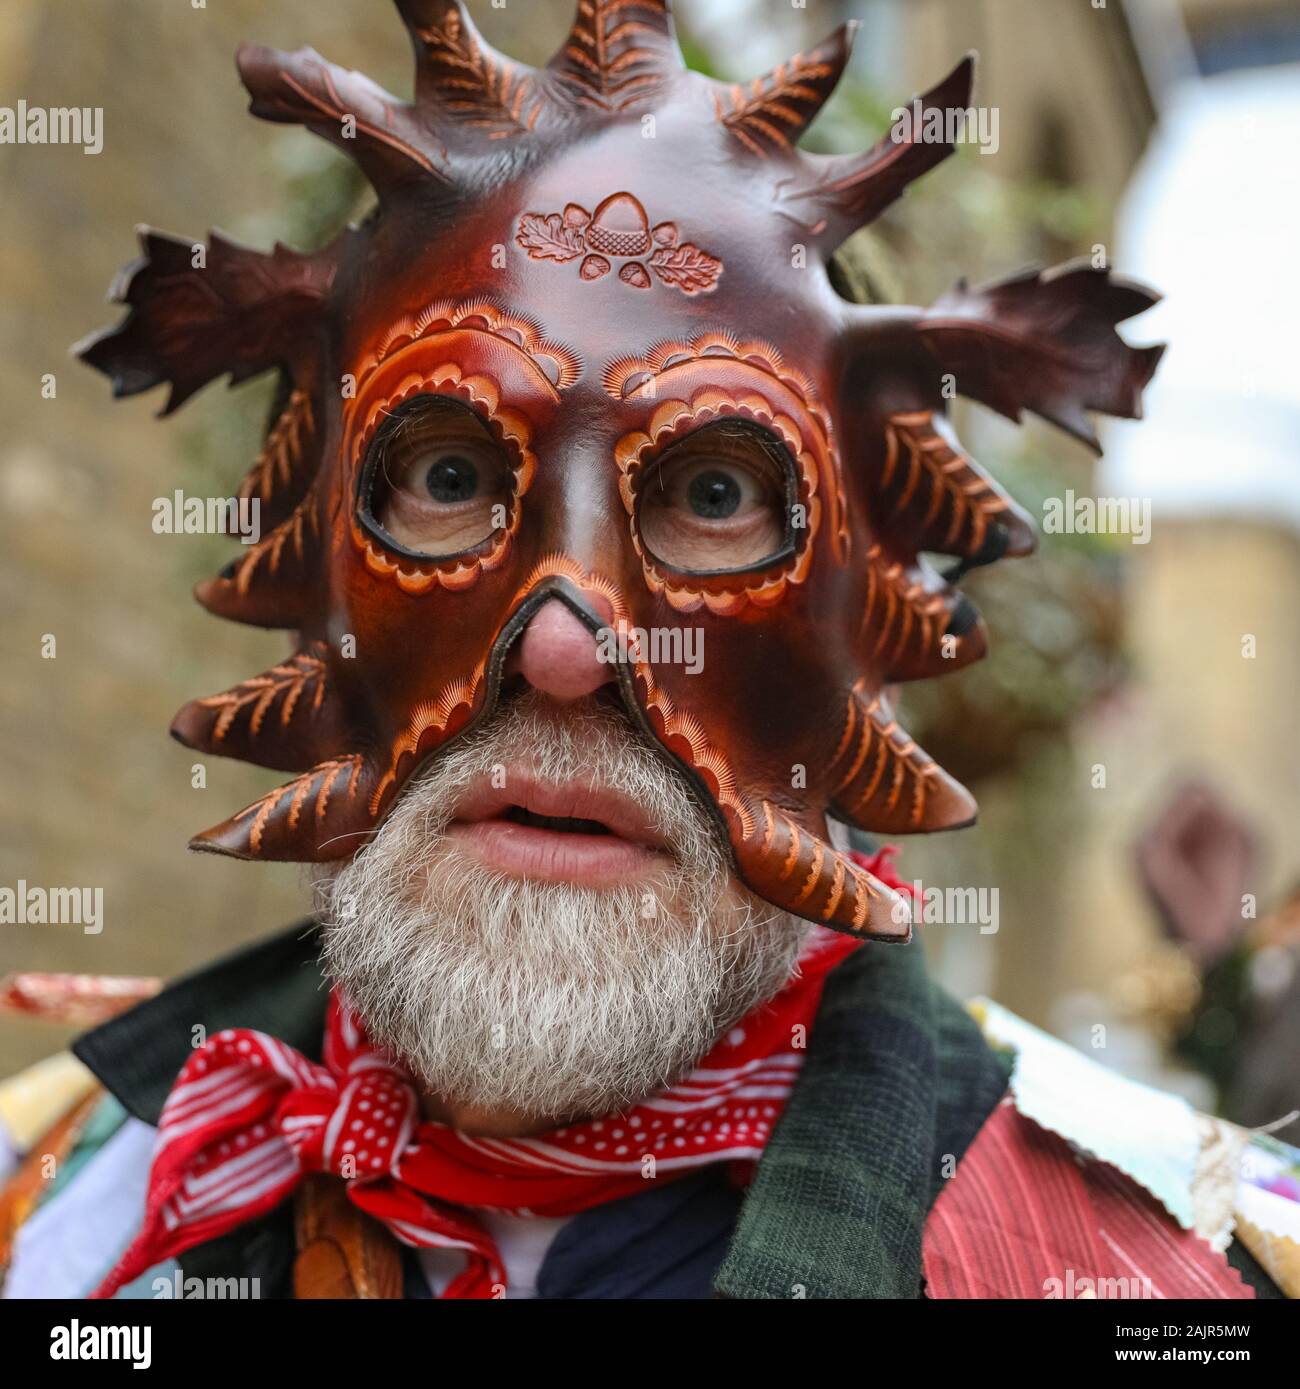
pixel 609 279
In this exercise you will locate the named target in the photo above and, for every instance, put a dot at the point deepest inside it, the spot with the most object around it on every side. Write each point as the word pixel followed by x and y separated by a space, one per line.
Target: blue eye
pixel 452 479
pixel 713 494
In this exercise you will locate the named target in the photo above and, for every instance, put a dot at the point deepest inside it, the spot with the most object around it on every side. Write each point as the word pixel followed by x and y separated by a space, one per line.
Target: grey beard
pixel 551 1000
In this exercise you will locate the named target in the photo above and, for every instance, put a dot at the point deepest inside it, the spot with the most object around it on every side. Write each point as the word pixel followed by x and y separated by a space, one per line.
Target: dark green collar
pixel 896 1084
pixel 274 986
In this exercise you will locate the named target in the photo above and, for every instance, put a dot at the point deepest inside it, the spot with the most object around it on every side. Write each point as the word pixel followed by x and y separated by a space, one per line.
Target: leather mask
pixel 590 273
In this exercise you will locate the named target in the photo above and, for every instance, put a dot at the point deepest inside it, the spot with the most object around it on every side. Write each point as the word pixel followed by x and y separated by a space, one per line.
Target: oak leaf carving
pixel 549 237
pixel 686 267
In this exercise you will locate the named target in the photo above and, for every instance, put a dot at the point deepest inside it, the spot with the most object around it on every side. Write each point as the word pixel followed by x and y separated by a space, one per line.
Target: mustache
pixel 593 742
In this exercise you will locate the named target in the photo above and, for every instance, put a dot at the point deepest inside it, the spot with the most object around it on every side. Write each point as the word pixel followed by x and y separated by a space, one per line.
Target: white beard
pixel 550 1000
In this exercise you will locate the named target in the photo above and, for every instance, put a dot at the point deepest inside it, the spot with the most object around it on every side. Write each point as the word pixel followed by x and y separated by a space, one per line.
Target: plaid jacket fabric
pixel 897 1083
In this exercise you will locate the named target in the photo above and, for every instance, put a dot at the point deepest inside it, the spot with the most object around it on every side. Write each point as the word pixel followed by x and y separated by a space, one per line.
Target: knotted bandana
pixel 249 1118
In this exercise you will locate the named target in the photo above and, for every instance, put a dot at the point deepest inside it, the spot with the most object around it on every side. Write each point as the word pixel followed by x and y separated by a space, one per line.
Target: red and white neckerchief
pixel 250 1117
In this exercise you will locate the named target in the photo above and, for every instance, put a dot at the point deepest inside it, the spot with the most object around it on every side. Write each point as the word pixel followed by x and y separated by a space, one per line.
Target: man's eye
pixel 717 500
pixel 440 483
pixel 451 479
pixel 714 494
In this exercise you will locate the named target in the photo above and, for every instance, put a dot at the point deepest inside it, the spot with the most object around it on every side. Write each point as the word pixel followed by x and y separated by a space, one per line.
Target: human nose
pixel 558 655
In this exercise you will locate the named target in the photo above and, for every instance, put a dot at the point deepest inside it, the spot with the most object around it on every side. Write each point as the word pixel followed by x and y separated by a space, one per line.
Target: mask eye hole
pixel 718 500
pixel 436 482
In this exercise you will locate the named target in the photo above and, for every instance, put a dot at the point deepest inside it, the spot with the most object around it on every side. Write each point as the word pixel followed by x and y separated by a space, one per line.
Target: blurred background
pixel 1132 738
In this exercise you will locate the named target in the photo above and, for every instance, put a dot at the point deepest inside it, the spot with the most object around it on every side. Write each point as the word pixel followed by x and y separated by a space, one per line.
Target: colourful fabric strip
pixel 1026 1216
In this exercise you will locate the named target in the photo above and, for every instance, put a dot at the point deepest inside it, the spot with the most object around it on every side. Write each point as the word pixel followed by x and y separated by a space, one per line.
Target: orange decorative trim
pixel 638 378
pixel 895 606
pixel 477 86
pixel 442 716
pixel 684 736
pixel 786 846
pixel 772 112
pixel 284 683
pixel 614 57
pixel 510 427
pixel 559 365
pixel 301 530
pixel 316 784
pixel 553 366
pixel 626 378
pixel 884 750
pixel 559 565
pixel 281 454
pixel 724 596
pixel 913 442
pixel 457 701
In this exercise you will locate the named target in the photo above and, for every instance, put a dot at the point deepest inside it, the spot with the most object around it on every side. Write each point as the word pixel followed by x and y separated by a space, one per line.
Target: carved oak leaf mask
pixel 582 271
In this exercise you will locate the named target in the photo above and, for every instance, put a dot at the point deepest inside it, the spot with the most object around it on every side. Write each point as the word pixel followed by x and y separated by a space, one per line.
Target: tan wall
pixel 1071 99
pixel 1196 706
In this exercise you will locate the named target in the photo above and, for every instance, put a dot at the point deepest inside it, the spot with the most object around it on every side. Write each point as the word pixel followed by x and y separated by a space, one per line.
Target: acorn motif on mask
pixel 619 229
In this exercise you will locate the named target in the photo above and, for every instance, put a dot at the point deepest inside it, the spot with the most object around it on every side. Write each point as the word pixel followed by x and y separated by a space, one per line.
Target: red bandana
pixel 250 1117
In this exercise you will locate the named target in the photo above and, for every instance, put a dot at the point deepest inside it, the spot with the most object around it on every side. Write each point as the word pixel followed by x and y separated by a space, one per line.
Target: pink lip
pixel 631 850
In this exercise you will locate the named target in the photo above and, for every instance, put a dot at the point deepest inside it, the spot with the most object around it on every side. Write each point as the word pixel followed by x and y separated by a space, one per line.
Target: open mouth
pixel 562 824
pixel 557 831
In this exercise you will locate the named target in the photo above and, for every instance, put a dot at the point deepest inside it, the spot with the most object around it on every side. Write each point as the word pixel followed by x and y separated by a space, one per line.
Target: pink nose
pixel 558 655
